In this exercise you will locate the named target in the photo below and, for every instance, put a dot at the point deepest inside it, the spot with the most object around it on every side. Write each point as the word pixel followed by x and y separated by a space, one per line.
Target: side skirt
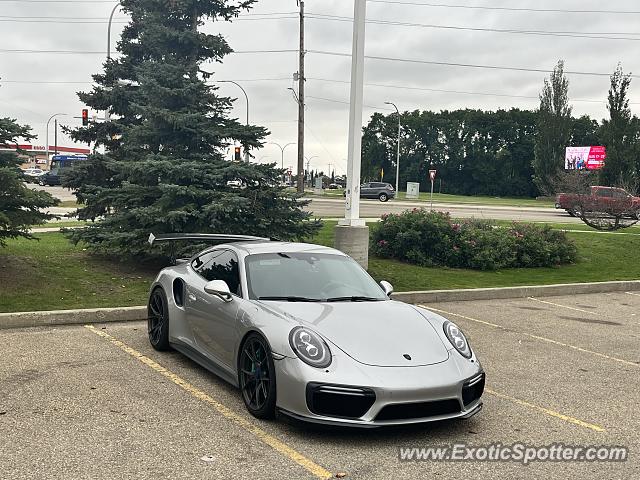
pixel 203 361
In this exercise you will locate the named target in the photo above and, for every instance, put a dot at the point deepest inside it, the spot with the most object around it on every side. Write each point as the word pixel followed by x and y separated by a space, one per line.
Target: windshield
pixel 309 277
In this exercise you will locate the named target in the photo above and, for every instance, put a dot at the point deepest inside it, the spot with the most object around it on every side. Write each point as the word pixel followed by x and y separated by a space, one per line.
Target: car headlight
pixel 457 339
pixel 309 347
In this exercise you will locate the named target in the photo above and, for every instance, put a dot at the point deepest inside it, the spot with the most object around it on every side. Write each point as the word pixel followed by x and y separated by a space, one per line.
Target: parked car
pixel 334 186
pixel 304 330
pixel 32 174
pixel 610 200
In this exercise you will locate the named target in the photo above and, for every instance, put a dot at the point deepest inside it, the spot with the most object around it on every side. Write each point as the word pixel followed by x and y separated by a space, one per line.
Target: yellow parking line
pixel 546 411
pixel 266 438
pixel 564 306
pixel 537 337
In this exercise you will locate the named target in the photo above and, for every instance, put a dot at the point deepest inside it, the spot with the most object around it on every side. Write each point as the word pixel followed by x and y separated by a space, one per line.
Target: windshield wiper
pixel 354 298
pixel 291 299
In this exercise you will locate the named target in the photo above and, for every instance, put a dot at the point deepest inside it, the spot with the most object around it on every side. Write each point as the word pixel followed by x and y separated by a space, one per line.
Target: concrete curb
pixel 124 314
pixel 434 296
pixel 71 317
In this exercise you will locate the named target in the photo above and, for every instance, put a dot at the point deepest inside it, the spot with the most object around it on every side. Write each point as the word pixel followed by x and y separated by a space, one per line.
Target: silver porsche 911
pixel 304 330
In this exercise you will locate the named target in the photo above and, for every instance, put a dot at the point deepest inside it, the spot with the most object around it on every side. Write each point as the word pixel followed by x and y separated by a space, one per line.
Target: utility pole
pixel 55 136
pixel 301 81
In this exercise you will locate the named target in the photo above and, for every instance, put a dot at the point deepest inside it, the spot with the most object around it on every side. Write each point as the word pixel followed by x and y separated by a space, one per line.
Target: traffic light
pixel 85 117
pixel 237 154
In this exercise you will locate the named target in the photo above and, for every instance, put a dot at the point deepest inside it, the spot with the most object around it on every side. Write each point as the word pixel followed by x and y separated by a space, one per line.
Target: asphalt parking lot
pixel 97 402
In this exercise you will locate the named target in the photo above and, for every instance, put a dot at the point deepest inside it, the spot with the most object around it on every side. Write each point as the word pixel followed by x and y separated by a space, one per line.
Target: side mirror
pixel 220 289
pixel 387 287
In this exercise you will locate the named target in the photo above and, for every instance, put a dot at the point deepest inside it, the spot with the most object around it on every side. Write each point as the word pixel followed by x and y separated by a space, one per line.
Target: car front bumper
pixel 401 395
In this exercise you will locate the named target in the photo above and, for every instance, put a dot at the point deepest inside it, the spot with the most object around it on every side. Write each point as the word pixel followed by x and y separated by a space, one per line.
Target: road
pixel 78 402
pixel 334 208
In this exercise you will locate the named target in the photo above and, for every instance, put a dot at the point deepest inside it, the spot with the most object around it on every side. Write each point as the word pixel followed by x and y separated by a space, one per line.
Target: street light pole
pixel 47 134
pixel 352 203
pixel 282 154
pixel 398 155
pixel 246 153
pixel 107 114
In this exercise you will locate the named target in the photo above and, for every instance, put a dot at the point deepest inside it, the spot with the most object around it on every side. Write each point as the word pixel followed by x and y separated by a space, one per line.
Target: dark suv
pixel 381 191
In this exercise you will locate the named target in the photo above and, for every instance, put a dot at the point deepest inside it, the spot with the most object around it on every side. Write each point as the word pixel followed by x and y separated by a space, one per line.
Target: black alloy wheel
pixel 158 320
pixel 257 377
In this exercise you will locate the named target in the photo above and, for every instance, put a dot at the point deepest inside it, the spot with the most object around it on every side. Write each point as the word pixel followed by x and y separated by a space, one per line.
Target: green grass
pixel 52 274
pixel 601 258
pixel 447 198
pixel 69 204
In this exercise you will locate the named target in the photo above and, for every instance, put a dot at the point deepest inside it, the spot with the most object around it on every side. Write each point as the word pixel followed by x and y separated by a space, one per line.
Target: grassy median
pixel 52 273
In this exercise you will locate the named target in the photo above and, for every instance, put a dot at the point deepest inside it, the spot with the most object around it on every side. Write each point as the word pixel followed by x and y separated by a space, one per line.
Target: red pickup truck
pixel 610 200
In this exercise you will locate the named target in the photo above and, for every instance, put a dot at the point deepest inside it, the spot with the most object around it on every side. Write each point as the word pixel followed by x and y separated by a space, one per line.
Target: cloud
pixel 271 103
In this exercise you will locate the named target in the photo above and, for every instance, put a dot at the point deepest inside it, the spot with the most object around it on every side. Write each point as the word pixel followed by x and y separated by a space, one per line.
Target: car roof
pixel 252 248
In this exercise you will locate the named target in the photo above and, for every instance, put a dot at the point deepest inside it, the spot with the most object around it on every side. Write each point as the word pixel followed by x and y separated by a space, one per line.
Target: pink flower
pixel 382 243
pixel 456 227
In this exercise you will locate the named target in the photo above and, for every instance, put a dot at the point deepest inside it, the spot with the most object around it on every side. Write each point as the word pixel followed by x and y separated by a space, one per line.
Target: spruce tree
pixel 165 169
pixel 20 206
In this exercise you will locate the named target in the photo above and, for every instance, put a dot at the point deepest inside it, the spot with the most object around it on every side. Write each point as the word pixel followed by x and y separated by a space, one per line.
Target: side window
pixel 603 192
pixel 220 265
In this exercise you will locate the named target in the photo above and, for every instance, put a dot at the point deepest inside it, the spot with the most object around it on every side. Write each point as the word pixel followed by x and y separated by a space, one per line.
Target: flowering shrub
pixel 428 238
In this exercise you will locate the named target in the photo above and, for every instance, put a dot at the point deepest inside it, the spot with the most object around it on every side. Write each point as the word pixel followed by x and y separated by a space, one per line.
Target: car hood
pixel 372 333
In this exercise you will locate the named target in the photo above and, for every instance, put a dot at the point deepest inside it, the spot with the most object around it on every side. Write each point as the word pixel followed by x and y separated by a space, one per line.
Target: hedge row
pixel 429 238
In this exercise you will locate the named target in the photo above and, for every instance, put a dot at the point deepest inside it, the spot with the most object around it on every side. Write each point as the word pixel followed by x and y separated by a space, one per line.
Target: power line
pixel 102 21
pixel 463 65
pixel 70 82
pixel 101 52
pixel 456 92
pixel 512 9
pixel 571 34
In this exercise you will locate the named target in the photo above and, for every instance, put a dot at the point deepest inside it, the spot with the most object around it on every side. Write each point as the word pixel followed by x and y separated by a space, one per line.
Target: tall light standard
pixel 246 153
pixel 47 134
pixel 107 114
pixel 308 159
pixel 282 153
pixel 398 154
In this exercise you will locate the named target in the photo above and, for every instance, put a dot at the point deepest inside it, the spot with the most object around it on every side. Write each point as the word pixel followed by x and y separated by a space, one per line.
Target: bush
pixel 430 238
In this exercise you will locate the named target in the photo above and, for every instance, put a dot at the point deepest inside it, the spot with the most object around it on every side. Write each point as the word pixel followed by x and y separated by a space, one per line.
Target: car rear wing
pixel 204 237
pixel 213 238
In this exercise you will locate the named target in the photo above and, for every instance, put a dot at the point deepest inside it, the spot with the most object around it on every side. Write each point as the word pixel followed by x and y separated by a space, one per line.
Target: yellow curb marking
pixel 537 337
pixel 273 442
pixel 546 411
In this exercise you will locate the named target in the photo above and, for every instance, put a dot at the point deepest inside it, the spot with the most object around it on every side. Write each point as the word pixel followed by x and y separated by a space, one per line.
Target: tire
pixel 571 213
pixel 257 377
pixel 383 197
pixel 158 320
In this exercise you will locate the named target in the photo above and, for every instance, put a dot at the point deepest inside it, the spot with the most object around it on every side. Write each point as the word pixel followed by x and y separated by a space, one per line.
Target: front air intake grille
pixel 339 400
pixel 473 389
pixel 406 411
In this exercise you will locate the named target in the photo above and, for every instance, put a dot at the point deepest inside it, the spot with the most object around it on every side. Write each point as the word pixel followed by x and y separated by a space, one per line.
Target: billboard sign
pixel 584 158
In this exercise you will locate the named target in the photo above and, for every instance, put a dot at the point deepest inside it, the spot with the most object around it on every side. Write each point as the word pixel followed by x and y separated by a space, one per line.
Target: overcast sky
pixel 267 76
